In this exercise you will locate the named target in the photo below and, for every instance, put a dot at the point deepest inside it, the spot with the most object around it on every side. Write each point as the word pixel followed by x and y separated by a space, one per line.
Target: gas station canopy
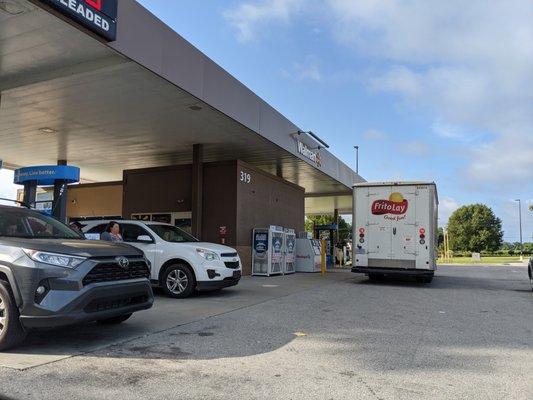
pixel 141 101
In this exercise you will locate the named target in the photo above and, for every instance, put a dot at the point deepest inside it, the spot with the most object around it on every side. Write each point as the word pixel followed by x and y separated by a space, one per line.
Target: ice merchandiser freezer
pixel 267 251
pixel 289 246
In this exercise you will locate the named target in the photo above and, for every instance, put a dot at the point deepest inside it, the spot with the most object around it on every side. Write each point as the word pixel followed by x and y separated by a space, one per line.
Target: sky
pixel 429 90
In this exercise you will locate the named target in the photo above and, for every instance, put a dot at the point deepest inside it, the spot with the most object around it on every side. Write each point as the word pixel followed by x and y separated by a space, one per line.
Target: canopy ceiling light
pixel 320 142
pixel 47 130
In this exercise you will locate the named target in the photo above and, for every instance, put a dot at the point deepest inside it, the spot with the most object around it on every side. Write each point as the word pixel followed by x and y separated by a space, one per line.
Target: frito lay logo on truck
pixel 396 204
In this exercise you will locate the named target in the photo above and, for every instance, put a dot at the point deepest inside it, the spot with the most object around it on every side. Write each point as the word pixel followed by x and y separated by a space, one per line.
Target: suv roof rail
pixel 23 204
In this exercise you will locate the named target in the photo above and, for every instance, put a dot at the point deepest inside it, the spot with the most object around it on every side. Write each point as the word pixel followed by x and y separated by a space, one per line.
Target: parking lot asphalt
pixel 468 335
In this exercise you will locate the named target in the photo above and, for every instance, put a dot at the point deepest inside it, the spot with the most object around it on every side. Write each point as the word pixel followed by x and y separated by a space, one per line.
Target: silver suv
pixel 51 276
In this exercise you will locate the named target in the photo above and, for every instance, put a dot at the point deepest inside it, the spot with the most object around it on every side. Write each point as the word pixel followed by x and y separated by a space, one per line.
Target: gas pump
pixel 327 232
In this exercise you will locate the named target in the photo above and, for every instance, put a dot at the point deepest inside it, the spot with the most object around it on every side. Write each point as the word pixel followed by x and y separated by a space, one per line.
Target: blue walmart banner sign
pixel 47 174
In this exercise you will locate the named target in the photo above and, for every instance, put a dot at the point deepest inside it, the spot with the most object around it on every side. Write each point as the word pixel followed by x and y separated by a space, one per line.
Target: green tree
pixel 345 229
pixel 475 228
pixel 528 248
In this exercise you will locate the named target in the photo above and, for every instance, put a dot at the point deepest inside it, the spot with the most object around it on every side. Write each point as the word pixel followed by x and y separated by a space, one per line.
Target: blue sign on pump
pixel 46 175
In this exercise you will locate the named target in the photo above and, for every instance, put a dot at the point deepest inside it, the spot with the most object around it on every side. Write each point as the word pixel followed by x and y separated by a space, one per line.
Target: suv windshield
pixel 172 234
pixel 21 223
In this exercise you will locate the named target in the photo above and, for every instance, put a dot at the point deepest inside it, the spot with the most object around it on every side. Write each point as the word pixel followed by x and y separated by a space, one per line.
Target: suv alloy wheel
pixel 178 281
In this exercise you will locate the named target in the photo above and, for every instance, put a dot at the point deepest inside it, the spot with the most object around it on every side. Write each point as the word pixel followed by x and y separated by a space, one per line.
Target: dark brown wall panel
pixel 220 200
pixel 157 190
pixel 266 200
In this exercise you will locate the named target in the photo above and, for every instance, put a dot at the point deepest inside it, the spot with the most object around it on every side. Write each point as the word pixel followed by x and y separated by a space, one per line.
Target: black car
pixel 51 276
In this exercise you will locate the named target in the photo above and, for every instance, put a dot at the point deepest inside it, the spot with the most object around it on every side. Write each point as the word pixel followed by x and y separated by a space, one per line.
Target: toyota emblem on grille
pixel 123 262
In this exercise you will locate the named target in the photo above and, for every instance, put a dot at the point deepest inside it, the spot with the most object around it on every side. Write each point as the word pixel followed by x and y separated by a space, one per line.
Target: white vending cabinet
pixel 289 245
pixel 308 254
pixel 267 251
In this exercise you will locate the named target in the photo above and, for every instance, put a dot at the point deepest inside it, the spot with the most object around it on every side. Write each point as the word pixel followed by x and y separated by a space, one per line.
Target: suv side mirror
pixel 144 239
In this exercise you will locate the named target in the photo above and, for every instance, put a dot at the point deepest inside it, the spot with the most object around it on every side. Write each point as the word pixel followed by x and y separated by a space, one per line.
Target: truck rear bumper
pixel 393 271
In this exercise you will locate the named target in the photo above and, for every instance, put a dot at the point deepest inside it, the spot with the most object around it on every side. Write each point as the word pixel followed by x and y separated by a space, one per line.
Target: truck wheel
pixel 376 277
pixel 11 331
pixel 178 281
pixel 114 320
pixel 424 279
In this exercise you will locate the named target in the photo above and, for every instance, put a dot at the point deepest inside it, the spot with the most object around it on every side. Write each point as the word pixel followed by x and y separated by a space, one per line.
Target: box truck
pixel 395 229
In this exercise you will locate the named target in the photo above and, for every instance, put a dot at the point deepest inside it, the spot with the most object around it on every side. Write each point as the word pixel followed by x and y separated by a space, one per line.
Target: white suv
pixel 180 263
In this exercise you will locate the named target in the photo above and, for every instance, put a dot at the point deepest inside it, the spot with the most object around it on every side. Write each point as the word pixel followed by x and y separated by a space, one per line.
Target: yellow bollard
pixel 323 257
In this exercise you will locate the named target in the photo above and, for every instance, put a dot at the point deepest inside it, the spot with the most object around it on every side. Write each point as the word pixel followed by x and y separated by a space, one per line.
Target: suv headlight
pixel 208 255
pixel 59 260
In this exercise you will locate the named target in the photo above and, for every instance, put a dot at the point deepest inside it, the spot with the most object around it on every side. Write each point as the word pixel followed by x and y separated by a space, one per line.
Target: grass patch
pixel 484 260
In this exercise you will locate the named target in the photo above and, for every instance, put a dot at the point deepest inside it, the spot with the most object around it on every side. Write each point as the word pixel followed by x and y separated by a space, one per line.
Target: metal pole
pixel 356 159
pixel 520 224
pixel 59 205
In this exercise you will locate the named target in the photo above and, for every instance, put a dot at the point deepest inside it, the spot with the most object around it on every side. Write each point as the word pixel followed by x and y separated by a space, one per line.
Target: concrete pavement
pixel 467 335
pixel 54 345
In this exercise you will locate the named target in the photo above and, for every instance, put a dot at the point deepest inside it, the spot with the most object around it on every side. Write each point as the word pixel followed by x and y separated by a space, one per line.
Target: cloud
pixel 447 206
pixel 398 79
pixel 448 131
pixel 506 161
pixel 308 70
pixel 374 134
pixel 468 63
pixel 416 148
pixel 249 18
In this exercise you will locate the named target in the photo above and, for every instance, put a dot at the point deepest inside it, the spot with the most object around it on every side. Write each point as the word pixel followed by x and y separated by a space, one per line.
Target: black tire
pixel 376 277
pixel 115 320
pixel 178 281
pixel 11 331
pixel 424 279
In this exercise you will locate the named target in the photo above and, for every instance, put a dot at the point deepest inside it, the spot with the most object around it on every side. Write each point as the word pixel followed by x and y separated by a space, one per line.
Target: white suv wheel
pixel 177 281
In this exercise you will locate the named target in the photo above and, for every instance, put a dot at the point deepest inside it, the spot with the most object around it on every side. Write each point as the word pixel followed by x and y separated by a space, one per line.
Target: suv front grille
pixel 112 304
pixel 232 264
pixel 111 271
pixel 229 254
